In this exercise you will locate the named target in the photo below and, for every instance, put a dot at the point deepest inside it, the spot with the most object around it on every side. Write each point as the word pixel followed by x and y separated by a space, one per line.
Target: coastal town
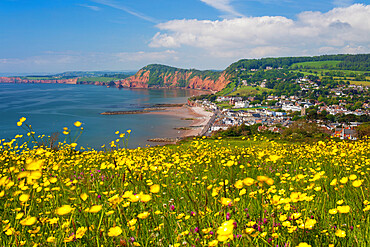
pixel 278 112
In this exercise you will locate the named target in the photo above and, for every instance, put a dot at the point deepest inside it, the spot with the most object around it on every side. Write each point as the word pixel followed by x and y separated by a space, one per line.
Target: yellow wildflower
pixel 114 231
pixel 94 209
pixel 143 215
pixel 65 209
pixel 343 209
pixel 155 188
pixel 77 124
pixel 357 183
pixel 84 196
pixel 80 232
pixel 28 221
pixel 225 231
pixel 340 233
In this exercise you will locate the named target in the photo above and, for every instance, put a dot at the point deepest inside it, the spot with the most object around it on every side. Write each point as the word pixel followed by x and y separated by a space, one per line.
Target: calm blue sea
pixel 50 107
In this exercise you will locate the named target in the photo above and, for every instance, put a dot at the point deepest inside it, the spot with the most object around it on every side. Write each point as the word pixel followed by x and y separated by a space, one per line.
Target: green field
pixel 250 91
pixel 99 79
pixel 224 105
pixel 363 83
pixel 39 78
pixel 316 65
pixel 228 89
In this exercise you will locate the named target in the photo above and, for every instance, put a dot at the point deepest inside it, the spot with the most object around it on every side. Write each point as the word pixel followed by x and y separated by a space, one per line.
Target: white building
pixel 291 107
pixel 242 104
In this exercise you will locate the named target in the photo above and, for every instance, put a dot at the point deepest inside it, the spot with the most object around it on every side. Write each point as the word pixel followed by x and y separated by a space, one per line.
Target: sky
pixel 52 36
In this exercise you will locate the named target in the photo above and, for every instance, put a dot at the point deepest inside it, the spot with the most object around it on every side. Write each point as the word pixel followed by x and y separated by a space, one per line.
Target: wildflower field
pixel 205 192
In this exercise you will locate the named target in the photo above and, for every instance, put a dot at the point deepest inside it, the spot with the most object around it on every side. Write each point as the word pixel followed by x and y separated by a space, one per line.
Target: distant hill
pixel 359 62
pixel 157 75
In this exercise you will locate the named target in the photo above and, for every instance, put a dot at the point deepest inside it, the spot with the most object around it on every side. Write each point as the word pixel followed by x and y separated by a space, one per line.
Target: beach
pixel 194 120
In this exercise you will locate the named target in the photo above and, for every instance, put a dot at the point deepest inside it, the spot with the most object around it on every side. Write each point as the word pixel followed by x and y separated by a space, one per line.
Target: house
pixel 345 133
pixel 291 107
pixel 242 104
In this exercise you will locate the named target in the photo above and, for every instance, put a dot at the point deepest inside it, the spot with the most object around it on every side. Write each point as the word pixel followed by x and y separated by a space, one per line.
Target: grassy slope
pixel 250 91
pixel 317 64
pixel 100 79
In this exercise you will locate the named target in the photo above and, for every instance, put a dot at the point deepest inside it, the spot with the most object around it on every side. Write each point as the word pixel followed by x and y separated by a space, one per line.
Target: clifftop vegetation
pixel 360 62
pixel 158 72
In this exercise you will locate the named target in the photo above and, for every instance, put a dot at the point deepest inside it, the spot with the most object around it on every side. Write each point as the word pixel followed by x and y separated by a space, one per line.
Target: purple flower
pixel 227 216
pixel 172 207
pixel 192 213
pixel 99 196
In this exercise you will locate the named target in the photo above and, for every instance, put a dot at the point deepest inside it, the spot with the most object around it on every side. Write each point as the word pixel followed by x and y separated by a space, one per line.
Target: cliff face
pixel 171 77
pixel 21 80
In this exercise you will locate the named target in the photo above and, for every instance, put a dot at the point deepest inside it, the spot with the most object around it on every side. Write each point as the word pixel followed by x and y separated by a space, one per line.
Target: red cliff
pixel 149 78
pixel 22 80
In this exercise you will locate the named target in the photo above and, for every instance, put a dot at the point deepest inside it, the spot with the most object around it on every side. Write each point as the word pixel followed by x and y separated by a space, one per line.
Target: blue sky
pixel 49 36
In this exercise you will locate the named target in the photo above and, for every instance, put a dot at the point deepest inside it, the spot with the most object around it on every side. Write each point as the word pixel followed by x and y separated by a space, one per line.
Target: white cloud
pixel 115 5
pixel 92 7
pixel 340 30
pixel 222 5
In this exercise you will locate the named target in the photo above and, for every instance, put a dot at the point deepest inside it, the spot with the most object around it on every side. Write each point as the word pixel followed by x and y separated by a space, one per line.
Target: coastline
pixel 193 120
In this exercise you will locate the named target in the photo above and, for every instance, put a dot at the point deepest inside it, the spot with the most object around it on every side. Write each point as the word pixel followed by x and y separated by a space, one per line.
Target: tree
pixel 363 130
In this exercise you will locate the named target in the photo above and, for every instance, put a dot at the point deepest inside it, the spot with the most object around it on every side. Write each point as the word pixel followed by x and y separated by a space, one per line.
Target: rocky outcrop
pixel 22 80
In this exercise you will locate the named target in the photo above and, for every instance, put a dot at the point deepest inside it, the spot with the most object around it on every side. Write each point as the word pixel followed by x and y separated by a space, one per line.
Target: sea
pixel 49 108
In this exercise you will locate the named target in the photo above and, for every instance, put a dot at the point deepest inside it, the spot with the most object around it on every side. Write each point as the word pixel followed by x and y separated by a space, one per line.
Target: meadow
pixel 97 79
pixel 316 64
pixel 250 91
pixel 203 192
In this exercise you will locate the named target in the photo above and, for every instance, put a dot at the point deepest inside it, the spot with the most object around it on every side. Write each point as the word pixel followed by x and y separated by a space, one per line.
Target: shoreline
pixel 194 119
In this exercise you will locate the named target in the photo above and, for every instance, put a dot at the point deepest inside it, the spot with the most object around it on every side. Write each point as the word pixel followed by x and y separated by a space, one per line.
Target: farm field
pixel 99 79
pixel 40 78
pixel 249 91
pixel 203 192
pixel 363 83
pixel 316 65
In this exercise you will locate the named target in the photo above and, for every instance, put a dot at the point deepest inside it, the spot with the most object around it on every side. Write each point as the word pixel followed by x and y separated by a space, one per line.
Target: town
pixel 273 112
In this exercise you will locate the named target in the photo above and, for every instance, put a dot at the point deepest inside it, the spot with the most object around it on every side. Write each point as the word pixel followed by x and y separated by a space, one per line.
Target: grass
pixel 224 105
pixel 363 83
pixel 228 89
pixel 250 91
pixel 99 79
pixel 39 78
pixel 319 71
pixel 204 192
pixel 316 65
